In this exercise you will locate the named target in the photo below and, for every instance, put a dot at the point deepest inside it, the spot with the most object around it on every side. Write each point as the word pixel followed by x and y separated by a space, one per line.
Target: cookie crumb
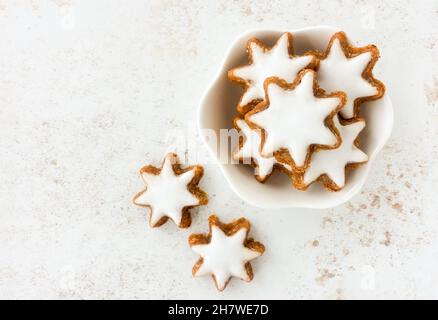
pixel 325 275
pixel 397 206
pixel 387 241
pixel 375 203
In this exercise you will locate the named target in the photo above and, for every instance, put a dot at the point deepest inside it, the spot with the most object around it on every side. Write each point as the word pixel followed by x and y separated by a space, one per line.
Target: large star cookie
pixel 171 192
pixel 350 69
pixel 248 152
pixel 225 252
pixel 296 119
pixel 329 165
pixel 265 62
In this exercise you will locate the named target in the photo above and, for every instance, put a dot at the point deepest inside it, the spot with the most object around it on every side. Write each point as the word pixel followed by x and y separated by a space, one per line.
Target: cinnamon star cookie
pixel 329 166
pixel 346 68
pixel 171 191
pixel 226 251
pixel 265 62
pixel 296 119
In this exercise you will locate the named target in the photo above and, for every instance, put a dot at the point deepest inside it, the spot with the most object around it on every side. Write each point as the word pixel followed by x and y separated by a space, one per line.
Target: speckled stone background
pixel 88 93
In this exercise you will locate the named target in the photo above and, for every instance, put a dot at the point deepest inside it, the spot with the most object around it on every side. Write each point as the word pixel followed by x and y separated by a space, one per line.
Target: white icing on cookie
pixel 275 62
pixel 251 150
pixel 294 119
pixel 333 162
pixel 225 256
pixel 167 193
pixel 339 73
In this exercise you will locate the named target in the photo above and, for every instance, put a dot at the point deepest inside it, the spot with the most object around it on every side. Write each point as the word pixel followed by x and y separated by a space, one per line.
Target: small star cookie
pixel 296 119
pixel 350 69
pixel 248 152
pixel 329 166
pixel 265 62
pixel 171 192
pixel 225 252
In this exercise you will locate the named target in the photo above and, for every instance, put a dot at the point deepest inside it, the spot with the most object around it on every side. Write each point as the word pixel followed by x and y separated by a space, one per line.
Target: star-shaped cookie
pixel 346 68
pixel 296 119
pixel 248 152
pixel 265 62
pixel 329 165
pixel 171 192
pixel 225 252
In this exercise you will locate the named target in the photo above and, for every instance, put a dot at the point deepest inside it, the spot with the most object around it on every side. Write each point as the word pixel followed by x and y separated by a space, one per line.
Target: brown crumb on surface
pixel 324 276
pixel 397 206
pixel 247 11
pixel 366 241
pixel 326 221
pixel 375 202
pixel 315 243
pixel 387 241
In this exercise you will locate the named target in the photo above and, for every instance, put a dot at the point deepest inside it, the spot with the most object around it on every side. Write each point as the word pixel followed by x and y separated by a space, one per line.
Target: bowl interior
pixel 218 107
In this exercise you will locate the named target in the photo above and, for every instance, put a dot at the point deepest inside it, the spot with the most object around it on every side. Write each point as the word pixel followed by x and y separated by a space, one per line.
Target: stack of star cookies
pixel 300 114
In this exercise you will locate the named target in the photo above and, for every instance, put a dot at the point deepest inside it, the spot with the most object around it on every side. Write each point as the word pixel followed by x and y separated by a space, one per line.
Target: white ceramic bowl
pixel 218 107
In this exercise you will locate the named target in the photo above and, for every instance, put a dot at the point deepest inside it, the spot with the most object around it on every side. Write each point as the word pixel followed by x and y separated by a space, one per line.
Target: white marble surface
pixel 89 91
